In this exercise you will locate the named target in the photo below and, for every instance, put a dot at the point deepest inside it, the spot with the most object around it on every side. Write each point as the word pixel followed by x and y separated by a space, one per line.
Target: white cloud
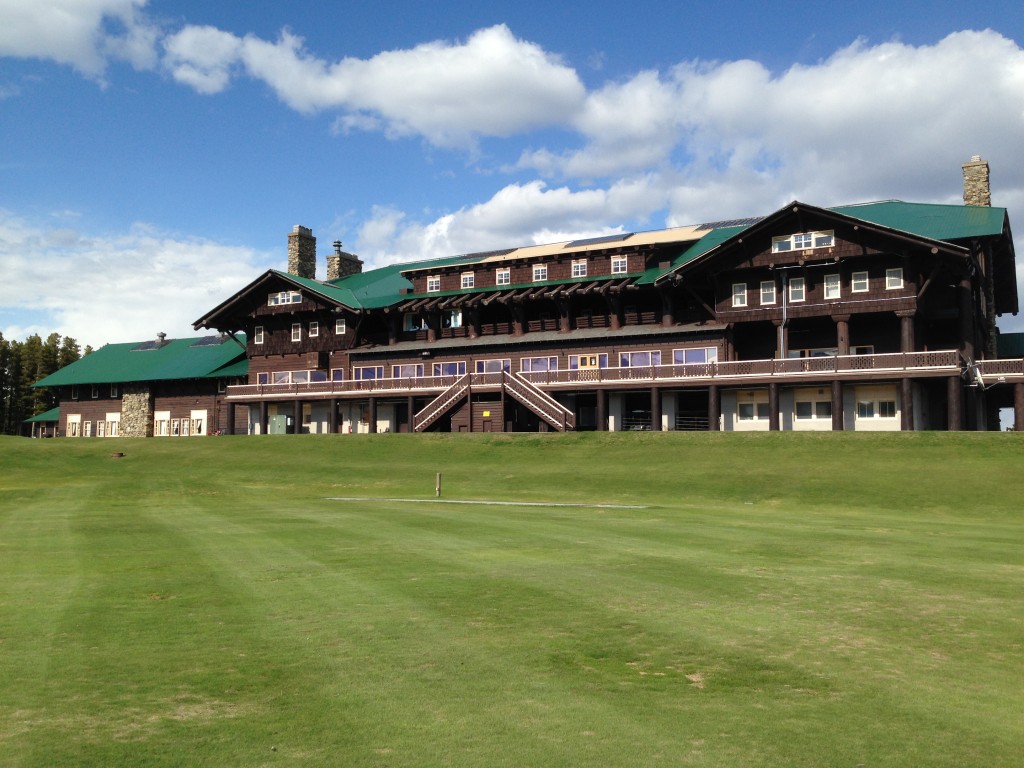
pixel 82 33
pixel 493 84
pixel 113 288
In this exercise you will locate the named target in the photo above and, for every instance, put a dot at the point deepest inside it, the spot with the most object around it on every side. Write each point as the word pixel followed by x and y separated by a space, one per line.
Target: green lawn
pixel 780 600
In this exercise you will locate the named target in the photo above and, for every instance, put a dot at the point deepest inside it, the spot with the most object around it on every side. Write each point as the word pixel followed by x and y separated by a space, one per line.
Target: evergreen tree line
pixel 22 363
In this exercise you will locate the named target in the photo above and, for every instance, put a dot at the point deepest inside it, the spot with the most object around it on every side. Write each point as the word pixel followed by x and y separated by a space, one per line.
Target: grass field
pixel 779 600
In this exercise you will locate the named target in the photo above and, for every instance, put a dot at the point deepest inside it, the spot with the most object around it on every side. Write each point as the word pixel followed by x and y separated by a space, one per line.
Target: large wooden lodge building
pixel 880 316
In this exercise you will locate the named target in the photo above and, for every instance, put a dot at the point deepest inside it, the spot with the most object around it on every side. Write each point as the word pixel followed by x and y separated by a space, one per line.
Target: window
pixel 894 279
pixel 768 292
pixel 74 425
pixel 262 378
pixel 87 427
pixel 257 336
pixel 695 356
pixel 284 297
pixel 620 265
pixel 101 428
pixel 796 289
pixel 503 277
pixel 318 375
pixel 635 359
pixel 579 268
pixel 74 391
pixel 367 372
pixel 338 374
pixel 832 286
pixel 433 283
pixel 859 282
pixel 814 409
pixel 457 368
pixel 540 272
pixel 496 365
pixel 314 329
pixel 296 331
pixel 584 362
pixel 739 294
pixel 467 279
pixel 300 377
pixel 95 391
pixel 538 364
pixel 865 409
pixel 452 319
pixel 413 371
pixel 414 322
pixel 282 377
pixel 802 241
pixel 887 409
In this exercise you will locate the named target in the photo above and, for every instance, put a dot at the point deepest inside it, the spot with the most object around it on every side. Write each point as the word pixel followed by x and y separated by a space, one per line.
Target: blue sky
pixel 154 155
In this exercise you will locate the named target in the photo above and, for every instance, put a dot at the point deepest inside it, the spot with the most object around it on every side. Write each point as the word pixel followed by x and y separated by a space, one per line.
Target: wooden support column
pixel 842 334
pixel 411 407
pixel 229 428
pixel 371 417
pixel 264 417
pixel 906 331
pixel 838 422
pixel 332 416
pixel 714 409
pixel 1018 407
pixel 781 339
pixel 667 308
pixel 614 313
pixel 518 322
pixel 433 323
pixel 906 405
pixel 473 322
pixel 602 410
pixel 967 331
pixel 297 417
pixel 953 407
pixel 655 409
pixel 564 316
pixel 394 327
pixel 773 407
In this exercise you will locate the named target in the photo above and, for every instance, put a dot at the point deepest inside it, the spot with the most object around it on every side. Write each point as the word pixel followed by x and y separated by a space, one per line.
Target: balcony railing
pixel 736 371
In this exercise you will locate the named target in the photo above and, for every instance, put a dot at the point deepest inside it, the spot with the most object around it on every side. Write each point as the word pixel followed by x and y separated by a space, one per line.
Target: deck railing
pixel 721 372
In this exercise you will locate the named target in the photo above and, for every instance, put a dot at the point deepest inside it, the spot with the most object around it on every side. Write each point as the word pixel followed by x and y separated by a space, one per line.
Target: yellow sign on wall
pixel 487 413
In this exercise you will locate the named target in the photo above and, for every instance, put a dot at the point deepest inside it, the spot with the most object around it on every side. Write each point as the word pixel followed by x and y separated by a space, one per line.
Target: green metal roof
pixel 1010 345
pixel 191 358
pixel 712 239
pixel 51 415
pixel 938 222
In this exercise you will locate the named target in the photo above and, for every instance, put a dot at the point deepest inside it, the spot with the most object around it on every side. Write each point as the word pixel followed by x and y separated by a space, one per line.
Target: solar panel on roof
pixel 480 255
pixel 731 223
pixel 208 341
pixel 147 346
pixel 599 240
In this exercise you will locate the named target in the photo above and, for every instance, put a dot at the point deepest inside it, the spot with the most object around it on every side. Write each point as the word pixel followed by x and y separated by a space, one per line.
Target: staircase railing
pixel 441 404
pixel 540 402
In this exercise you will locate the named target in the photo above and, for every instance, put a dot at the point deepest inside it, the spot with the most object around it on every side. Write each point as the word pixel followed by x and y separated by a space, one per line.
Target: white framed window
pixel 739 294
pixel 74 391
pixel 101 428
pixel 695 355
pixel 753 411
pixel 588 361
pixel 113 390
pixel 452 319
pixel 503 276
pixel 802 241
pixel 222 386
pixel 113 424
pixel 337 374
pixel 832 289
pixel 367 372
pixel 814 410
pixel 540 272
pixel 339 326
pixel 451 368
pixel 314 329
pixel 74 425
pixel 538 364
pixel 797 289
pixel 579 268
pixel 639 359
pixel 257 335
pixel 87 429
pixel 296 331
pixel 284 297
pixel 433 283
pixel 859 282
pixel 894 279
pixel 468 279
pixel 410 371
pixel 494 365
pixel 620 265
pixel 865 409
pixel 263 378
pixel 767 292
pixel 95 391
pixel 300 377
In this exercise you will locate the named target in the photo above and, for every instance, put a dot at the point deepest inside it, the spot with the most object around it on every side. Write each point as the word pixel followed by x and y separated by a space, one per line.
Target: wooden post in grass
pixel 437 486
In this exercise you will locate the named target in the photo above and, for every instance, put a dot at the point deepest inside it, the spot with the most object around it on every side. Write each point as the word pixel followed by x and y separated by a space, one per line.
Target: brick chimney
pixel 976 187
pixel 341 264
pixel 302 252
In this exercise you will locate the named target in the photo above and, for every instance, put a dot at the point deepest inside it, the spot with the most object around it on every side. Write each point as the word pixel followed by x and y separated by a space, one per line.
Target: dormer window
pixel 467 280
pixel 503 277
pixel 803 241
pixel 620 265
pixel 284 297
pixel 579 268
pixel 257 336
pixel 540 272
pixel 433 283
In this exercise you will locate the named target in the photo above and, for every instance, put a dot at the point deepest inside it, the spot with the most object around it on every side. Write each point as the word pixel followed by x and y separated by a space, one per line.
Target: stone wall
pixel 341 264
pixel 302 252
pixel 976 182
pixel 136 412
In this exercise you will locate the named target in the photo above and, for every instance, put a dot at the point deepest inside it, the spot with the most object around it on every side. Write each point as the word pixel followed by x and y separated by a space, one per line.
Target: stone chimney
pixel 302 252
pixel 341 264
pixel 976 187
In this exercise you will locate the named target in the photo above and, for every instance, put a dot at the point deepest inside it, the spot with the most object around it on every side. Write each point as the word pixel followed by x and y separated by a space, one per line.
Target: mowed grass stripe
pixel 750 616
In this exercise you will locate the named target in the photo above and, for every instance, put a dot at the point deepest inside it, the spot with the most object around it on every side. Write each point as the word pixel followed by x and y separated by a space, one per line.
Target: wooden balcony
pixel 735 372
